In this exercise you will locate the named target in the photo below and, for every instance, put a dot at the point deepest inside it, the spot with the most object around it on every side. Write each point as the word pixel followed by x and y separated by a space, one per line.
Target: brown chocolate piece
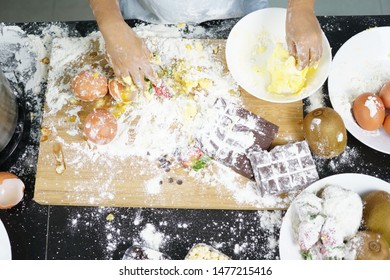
pixel 284 168
pixel 231 132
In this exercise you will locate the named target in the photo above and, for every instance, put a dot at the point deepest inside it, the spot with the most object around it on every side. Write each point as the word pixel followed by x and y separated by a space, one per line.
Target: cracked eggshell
pixel 11 190
pixel 122 92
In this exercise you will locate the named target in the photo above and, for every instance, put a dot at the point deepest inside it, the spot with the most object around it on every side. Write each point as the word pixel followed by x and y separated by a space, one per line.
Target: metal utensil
pixel 8 112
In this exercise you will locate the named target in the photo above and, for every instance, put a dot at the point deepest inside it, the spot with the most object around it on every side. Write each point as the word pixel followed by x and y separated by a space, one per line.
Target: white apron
pixel 188 11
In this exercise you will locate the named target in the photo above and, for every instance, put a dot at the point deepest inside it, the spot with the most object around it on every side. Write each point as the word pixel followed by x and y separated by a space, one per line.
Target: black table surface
pixel 69 232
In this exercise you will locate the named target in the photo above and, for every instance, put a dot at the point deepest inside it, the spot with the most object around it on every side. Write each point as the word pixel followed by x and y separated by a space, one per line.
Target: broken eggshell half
pixel 11 190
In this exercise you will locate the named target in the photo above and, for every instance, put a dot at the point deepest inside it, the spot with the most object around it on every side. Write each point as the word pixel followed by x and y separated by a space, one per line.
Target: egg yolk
pixel 286 78
pixel 122 92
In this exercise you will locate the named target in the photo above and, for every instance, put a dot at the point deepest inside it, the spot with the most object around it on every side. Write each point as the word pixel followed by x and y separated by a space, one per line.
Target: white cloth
pixel 188 11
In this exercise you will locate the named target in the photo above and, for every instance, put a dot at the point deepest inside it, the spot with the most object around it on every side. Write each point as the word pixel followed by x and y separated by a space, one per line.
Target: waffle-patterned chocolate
pixel 231 132
pixel 284 168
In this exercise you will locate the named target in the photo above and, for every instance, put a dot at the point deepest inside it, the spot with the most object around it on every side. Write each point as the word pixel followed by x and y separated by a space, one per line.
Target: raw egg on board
pixel 89 85
pixel 122 92
pixel 11 190
pixel 368 111
pixel 100 126
pixel 384 94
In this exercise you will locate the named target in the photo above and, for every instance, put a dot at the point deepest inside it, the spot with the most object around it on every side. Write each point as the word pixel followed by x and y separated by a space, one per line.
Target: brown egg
pixel 100 126
pixel 89 85
pixel 386 124
pixel 368 111
pixel 122 92
pixel 384 94
pixel 11 190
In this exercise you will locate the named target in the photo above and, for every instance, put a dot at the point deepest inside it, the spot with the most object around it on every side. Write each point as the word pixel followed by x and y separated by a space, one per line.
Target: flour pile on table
pixel 151 127
pixel 239 235
pixel 172 121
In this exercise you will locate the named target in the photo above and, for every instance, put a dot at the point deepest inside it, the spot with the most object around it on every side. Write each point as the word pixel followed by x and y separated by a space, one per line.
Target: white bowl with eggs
pixel 247 64
pixel 362 64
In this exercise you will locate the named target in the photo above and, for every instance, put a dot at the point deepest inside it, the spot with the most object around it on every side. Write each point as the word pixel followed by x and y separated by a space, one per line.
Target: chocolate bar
pixel 285 168
pixel 231 131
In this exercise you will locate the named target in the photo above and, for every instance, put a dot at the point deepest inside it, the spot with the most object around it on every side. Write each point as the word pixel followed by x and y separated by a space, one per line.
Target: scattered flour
pixel 151 238
pixel 240 235
pixel 315 101
pixel 153 186
pixel 197 78
pixel 22 59
pixel 251 236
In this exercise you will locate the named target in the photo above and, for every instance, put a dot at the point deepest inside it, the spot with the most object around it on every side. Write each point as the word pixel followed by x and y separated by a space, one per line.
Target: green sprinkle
pixel 307 255
pixel 201 162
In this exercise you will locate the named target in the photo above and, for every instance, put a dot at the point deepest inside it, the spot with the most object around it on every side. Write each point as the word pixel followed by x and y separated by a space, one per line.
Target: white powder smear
pixel 153 186
pixel 22 60
pixel 315 101
pixel 175 122
pixel 315 123
pixel 340 137
pixel 151 238
pixel 372 105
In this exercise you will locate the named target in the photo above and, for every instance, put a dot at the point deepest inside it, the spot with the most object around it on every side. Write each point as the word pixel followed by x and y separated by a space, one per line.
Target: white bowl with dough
pixel 251 43
pixel 360 183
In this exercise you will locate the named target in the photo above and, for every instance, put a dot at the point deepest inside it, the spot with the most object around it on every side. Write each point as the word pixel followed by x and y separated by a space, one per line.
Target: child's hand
pixel 304 36
pixel 128 54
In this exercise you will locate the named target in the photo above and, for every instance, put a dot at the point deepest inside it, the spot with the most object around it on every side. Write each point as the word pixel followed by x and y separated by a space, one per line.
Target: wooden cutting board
pixel 135 181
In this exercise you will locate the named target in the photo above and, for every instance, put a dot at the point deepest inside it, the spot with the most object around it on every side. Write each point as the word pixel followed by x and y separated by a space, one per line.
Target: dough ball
pixel 89 85
pixel 100 127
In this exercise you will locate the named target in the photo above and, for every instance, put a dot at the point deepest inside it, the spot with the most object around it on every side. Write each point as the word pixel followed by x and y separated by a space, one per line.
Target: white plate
pixel 362 64
pixel 268 27
pixel 360 183
pixel 5 246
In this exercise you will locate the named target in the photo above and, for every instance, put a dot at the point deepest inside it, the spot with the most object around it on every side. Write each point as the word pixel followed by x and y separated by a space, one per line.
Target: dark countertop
pixel 57 232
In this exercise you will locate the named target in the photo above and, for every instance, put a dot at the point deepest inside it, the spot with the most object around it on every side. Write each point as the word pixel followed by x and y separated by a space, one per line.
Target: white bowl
pixel 5 246
pixel 359 183
pixel 267 26
pixel 362 64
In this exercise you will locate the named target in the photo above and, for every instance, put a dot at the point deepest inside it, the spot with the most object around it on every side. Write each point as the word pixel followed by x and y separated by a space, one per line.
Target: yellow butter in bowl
pixel 286 78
